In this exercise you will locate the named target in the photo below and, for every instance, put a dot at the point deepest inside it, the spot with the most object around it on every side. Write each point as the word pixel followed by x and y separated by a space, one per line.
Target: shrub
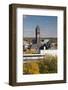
pixel 51 62
pixel 46 65
pixel 31 68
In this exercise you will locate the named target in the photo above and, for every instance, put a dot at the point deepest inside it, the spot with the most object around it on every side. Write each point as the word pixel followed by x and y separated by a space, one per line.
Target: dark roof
pixel 42 47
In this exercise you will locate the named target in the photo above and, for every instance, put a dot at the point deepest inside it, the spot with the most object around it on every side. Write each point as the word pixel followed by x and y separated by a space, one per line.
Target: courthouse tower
pixel 38 36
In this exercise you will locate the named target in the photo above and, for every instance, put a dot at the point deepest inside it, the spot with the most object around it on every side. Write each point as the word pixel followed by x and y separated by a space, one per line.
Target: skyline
pixel 47 25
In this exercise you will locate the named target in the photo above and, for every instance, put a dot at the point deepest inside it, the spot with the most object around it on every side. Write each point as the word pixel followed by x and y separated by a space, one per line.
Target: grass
pixel 46 65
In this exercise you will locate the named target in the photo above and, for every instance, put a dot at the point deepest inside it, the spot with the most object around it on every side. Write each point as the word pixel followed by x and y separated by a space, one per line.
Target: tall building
pixel 38 36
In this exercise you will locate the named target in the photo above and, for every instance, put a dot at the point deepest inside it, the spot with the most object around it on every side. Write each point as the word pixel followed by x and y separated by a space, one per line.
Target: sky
pixel 47 25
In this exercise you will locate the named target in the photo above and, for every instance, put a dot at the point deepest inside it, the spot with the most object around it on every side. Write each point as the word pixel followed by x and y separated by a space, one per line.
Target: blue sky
pixel 47 24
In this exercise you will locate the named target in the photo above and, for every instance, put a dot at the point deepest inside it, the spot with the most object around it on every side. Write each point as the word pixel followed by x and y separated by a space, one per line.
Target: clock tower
pixel 38 36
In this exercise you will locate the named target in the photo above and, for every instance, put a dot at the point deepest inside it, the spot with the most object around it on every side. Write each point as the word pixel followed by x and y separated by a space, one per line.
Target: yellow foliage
pixel 46 65
pixel 31 68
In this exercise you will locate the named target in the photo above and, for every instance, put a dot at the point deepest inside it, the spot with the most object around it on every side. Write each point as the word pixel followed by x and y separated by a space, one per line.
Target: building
pixel 38 44
pixel 37 35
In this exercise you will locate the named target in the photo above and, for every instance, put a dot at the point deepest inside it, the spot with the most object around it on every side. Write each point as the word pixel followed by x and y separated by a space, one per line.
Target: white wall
pixel 4 47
